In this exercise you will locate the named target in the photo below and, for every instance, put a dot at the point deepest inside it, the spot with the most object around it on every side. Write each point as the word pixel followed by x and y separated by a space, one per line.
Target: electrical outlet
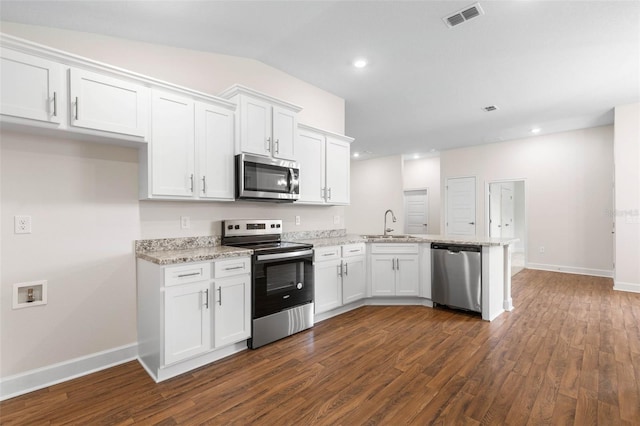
pixel 336 220
pixel 185 222
pixel 297 220
pixel 22 224
pixel 541 250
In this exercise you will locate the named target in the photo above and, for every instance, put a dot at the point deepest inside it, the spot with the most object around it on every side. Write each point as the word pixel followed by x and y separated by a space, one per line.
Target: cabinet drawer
pixel 394 248
pixel 190 273
pixel 231 267
pixel 326 253
pixel 350 250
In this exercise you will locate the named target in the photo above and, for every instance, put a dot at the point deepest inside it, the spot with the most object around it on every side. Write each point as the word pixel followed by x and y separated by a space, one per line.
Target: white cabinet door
pixel 31 87
pixel 383 275
pixel 328 286
pixel 285 128
pixel 214 142
pixel 407 275
pixel 172 145
pixel 338 167
pixel 105 103
pixel 310 155
pixel 187 321
pixel 233 310
pixel 354 286
pixel 255 126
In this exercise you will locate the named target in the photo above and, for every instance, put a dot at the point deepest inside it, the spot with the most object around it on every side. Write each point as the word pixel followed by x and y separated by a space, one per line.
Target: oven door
pixel 267 178
pixel 281 281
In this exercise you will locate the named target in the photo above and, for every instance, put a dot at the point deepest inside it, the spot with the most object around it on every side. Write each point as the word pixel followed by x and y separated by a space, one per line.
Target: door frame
pixel 487 213
pixel 444 190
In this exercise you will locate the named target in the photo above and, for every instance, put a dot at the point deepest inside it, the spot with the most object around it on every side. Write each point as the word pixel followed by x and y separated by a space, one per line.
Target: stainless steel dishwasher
pixel 456 276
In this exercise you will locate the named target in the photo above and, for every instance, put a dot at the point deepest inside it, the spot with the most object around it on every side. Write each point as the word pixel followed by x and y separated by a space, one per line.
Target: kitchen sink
pixel 390 237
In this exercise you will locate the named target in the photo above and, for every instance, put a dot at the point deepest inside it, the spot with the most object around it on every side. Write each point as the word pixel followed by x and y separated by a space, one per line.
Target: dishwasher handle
pixel 456 248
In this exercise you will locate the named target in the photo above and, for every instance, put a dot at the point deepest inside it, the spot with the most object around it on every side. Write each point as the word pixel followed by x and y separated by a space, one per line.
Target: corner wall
pixel 627 197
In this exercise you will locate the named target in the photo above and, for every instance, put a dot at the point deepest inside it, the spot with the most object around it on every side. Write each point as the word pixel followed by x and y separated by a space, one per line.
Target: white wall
pixel 519 215
pixel 425 173
pixel 83 198
pixel 376 185
pixel 569 192
pixel 627 197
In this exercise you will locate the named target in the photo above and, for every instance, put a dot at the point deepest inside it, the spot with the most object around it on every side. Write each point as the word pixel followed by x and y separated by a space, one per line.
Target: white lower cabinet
pixel 339 276
pixel 192 314
pixel 395 270
pixel 232 310
pixel 187 315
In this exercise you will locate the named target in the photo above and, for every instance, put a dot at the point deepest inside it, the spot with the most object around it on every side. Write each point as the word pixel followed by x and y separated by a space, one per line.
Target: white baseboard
pixel 622 286
pixel 571 270
pixel 39 378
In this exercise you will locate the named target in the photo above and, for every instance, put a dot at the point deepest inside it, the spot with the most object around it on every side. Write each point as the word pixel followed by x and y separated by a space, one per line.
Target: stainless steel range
pixel 282 279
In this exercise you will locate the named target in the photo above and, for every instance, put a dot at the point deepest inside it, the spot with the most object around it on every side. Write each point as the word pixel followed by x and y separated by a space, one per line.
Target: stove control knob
pixel 272 225
pixel 230 227
pixel 277 226
pixel 299 286
pixel 237 226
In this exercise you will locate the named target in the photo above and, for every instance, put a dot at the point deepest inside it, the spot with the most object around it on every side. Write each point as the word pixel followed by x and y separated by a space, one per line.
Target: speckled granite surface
pixel 425 238
pixel 313 235
pixel 200 254
pixel 334 241
pixel 169 251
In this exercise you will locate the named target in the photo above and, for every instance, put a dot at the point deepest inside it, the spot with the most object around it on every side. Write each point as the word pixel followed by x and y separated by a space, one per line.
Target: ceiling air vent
pixel 463 15
pixel 490 108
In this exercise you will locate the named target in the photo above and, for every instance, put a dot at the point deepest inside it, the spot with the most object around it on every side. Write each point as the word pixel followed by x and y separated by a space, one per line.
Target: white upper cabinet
pixel 214 147
pixel 109 104
pixel 324 159
pixel 266 125
pixel 338 170
pixel 31 87
pixel 311 157
pixel 173 145
pixel 191 151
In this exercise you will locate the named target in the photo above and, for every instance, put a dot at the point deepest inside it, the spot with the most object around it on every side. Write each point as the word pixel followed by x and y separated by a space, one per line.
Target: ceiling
pixel 552 65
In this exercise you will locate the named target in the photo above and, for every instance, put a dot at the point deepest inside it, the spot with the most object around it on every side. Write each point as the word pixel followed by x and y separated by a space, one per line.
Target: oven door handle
pixel 287 255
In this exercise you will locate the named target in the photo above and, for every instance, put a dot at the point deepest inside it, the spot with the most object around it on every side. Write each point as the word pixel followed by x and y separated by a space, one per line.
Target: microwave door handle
pixel 291 180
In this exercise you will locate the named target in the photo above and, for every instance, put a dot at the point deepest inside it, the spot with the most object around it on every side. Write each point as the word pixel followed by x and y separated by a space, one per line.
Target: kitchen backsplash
pixel 142 246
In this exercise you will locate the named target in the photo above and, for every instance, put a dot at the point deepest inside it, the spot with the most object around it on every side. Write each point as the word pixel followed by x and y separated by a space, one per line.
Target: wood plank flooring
pixel 569 354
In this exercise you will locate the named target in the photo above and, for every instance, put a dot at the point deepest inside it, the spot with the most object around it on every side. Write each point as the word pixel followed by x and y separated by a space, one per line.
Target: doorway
pixel 416 211
pixel 507 217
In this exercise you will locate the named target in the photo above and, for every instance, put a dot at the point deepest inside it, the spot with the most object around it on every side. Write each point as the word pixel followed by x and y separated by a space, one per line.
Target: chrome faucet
pixel 393 217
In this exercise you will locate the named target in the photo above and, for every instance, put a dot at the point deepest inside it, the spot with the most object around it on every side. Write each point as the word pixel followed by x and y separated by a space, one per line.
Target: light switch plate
pixel 22 224
pixel 297 220
pixel 336 220
pixel 185 222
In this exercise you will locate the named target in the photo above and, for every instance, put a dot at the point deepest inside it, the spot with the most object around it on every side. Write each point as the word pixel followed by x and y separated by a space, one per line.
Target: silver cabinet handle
pixel 393 264
pixel 329 189
pixel 234 268
pixel 277 146
pixel 204 184
pixel 397 264
pixel 193 274
pixel 346 269
pixel 76 112
pixel 472 223
pixel 220 296
pixel 206 298
pixel 339 267
pixel 268 146
pixel 328 254
pixel 55 104
pixel 191 182
pixel 323 193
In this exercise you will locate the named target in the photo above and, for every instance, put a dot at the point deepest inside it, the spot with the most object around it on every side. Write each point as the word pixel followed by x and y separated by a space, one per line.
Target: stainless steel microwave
pixel 266 179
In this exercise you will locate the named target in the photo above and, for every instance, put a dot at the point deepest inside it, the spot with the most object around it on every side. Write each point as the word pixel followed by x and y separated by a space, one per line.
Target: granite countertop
pixel 197 254
pixel 422 238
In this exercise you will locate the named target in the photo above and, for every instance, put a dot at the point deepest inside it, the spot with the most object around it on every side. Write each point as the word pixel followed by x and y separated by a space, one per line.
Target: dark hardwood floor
pixel 568 354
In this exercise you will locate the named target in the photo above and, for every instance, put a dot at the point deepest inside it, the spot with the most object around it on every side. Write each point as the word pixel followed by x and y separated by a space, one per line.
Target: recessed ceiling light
pixel 360 63
pixel 535 130
pixel 416 156
pixel 356 154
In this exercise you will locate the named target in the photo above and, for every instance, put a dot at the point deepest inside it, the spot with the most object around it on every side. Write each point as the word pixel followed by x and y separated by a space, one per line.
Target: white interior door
pixel 416 208
pixel 461 206
pixel 495 217
pixel 506 212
